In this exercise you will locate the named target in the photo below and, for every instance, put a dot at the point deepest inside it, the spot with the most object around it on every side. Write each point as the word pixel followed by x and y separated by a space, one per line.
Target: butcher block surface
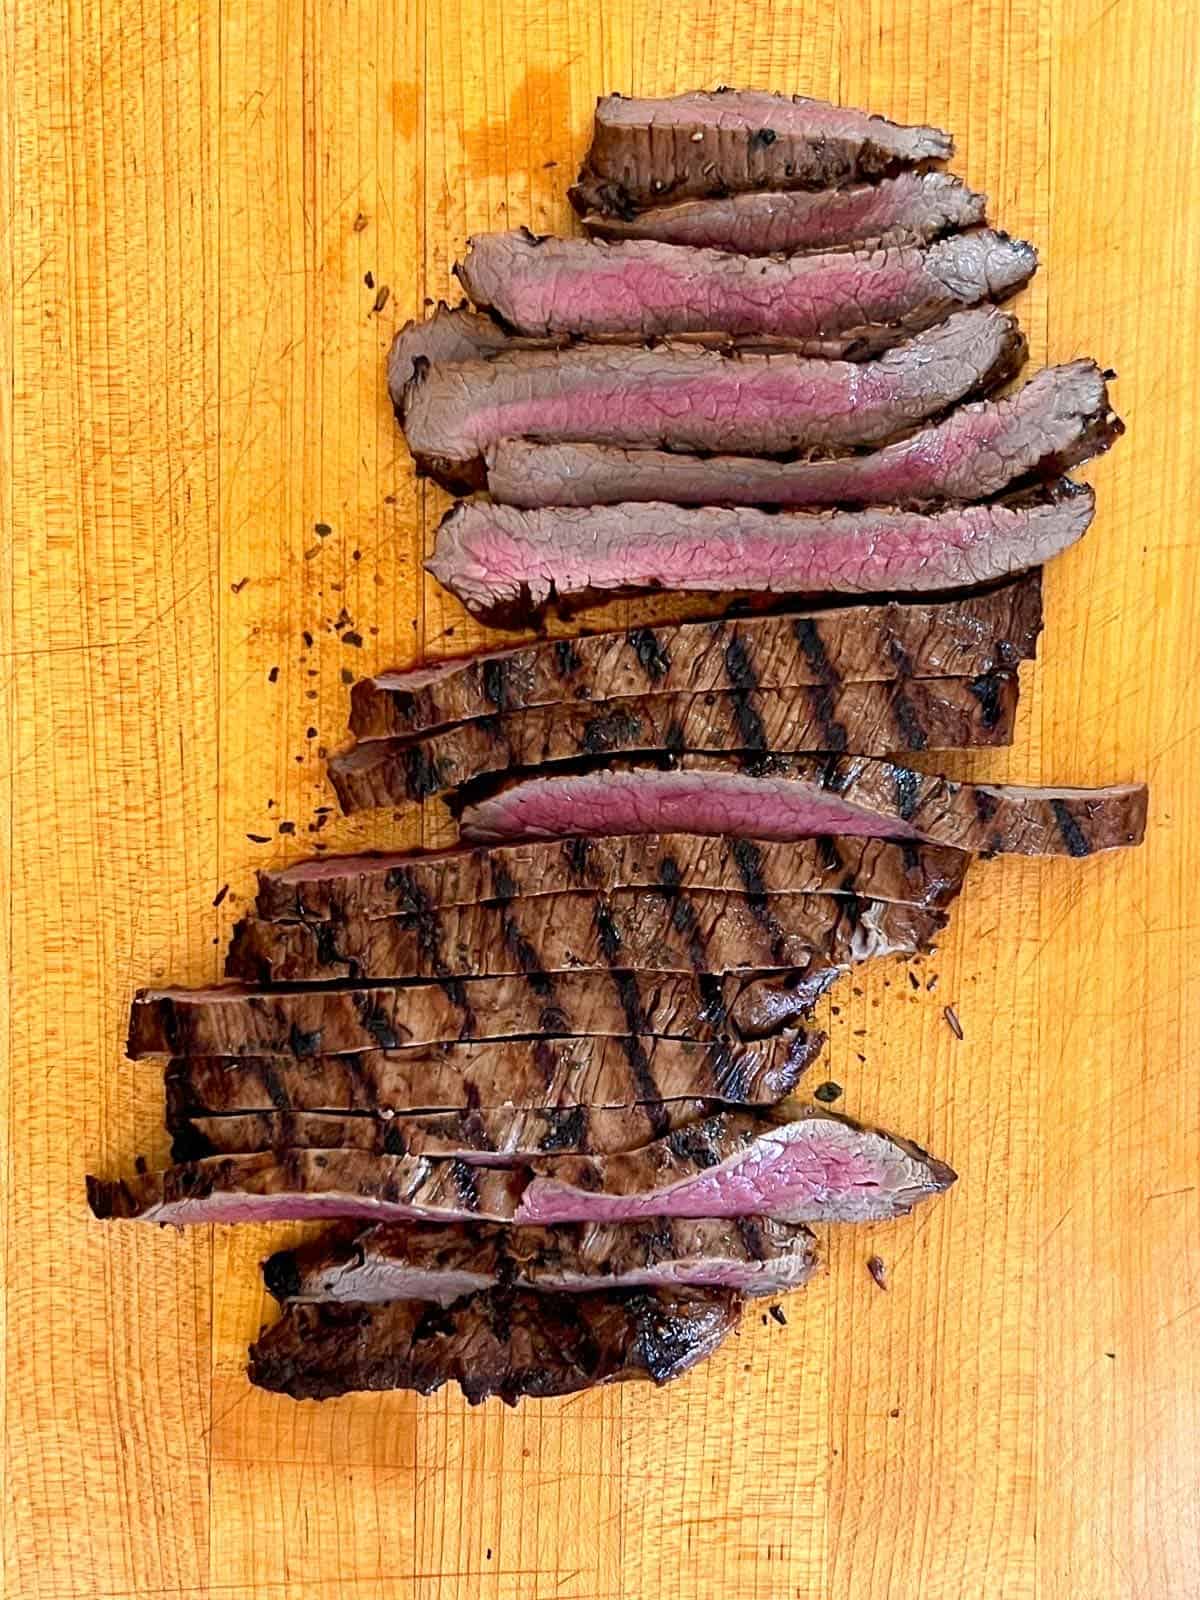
pixel 214 219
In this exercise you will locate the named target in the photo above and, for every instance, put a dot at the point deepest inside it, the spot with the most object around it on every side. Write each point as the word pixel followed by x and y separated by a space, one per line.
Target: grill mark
pixel 394 1143
pixel 276 1091
pixel 463 1178
pixel 739 671
pixel 639 1062
pixel 577 852
pixel 494 681
pixel 908 792
pixel 1073 835
pixel 833 732
pixel 812 647
pixel 986 689
pixel 908 722
pixel 607 931
pixel 694 1144
pixel 830 855
pixel 565 1130
pixel 422 775
pixel 303 1044
pixel 731 1073
pixel 986 805
pixel 614 730
pixel 674 740
pixel 503 884
pixel 527 958
pixel 546 1061
pixel 401 882
pixel 750 1233
pixel 748 860
pixel 652 658
pixel 900 658
pixel 566 658
pixel 687 925
pixel 713 1009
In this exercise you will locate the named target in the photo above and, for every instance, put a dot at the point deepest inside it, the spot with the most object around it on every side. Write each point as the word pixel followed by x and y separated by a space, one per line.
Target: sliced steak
pixel 505 1343
pixel 729 140
pixel 508 564
pixel 449 335
pixel 496 1137
pixel 234 1021
pixel 329 888
pixel 870 718
pixel 546 286
pixel 752 1256
pixel 688 398
pixel 961 638
pixel 815 1167
pixel 1061 417
pixel 534 1074
pixel 912 208
pixel 654 930
pixel 790 797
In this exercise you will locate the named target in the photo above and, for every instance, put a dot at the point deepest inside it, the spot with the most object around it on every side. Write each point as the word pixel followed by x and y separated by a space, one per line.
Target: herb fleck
pixel 877 1270
pixel 220 894
pixel 951 1016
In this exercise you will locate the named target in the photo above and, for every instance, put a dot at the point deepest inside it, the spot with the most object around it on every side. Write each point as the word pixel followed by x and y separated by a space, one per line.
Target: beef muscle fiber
pixel 503 1343
pixel 590 288
pixel 687 398
pixel 506 564
pixel 912 208
pixel 960 638
pixel 1059 419
pixel 787 797
pixel 752 1256
pixel 713 142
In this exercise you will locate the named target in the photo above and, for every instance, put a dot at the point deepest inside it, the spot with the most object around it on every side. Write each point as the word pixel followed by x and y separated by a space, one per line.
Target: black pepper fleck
pixel 353 638
pixel 259 838
pixel 273 675
pixel 220 894
pixel 827 1093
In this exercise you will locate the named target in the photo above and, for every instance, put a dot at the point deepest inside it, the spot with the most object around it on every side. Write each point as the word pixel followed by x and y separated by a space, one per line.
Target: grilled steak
pixel 655 930
pixel 333 887
pixel 814 1167
pixel 504 563
pixel 683 398
pixel 870 718
pixel 535 1074
pixel 450 335
pixel 544 285
pixel 752 1256
pixel 504 1343
pixel 1062 417
pixel 912 208
pixel 924 639
pixel 496 1137
pixel 644 151
pixel 788 797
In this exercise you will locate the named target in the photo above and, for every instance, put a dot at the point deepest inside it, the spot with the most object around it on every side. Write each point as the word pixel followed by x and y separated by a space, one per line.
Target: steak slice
pixel 689 398
pixel 814 1167
pixel 752 1256
pixel 234 1021
pixel 505 1343
pixel 515 1074
pixel 1060 418
pixel 656 930
pixel 546 286
pixel 912 208
pixel 507 564
pixel 451 334
pixel 960 638
pixel 496 1137
pixel 870 718
pixel 729 140
pixel 789 797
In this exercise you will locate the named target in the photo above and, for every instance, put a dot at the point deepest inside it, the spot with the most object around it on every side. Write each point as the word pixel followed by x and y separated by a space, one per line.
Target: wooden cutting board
pixel 215 219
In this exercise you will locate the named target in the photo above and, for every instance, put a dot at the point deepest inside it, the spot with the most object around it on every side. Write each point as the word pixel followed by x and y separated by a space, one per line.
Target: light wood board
pixel 193 198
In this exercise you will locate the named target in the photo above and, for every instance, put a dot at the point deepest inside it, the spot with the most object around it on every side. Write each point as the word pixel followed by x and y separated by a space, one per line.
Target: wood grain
pixel 204 495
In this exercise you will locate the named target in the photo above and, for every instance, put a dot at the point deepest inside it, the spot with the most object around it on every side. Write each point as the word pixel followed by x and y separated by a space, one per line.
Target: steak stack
pixel 544 1083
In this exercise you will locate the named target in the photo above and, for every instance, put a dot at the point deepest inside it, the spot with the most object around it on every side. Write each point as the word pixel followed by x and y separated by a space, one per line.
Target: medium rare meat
pixel 234 1021
pixel 682 398
pixel 331 887
pixel 538 1074
pixel 544 285
pixel 750 1255
pixel 789 797
pixel 961 638
pixel 871 718
pixel 912 208
pixel 506 564
pixel 656 930
pixel 813 1167
pixel 450 335
pixel 504 1343
pixel 1061 417
pixel 730 140
pixel 495 1137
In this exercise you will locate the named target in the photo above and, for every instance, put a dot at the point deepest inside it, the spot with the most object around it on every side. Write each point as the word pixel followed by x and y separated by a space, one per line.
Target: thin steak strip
pixel 870 718
pixel 812 1168
pixel 961 638
pixel 1060 418
pixel 534 1074
pixel 329 888
pixel 729 140
pixel 789 797
pixel 541 285
pixel 395 1262
pixel 656 930
pixel 495 1137
pixel 508 564
pixel 505 1344
pixel 681 398
pixel 912 208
